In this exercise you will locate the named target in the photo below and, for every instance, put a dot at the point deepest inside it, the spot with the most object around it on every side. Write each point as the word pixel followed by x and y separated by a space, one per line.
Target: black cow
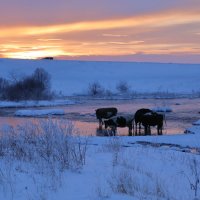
pixel 138 117
pixel 105 113
pixel 152 119
pixel 120 121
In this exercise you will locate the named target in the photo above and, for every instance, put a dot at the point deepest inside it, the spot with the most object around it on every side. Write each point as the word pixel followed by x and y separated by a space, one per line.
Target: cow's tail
pixel 133 123
pixel 164 118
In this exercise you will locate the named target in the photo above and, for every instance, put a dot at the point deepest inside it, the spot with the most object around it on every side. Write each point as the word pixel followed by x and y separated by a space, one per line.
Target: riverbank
pixel 82 113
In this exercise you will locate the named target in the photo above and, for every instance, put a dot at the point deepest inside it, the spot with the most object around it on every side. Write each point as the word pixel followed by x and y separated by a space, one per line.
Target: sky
pixel 114 30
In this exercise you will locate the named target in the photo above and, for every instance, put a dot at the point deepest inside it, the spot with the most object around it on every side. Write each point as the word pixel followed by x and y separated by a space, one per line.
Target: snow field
pixel 50 161
pixel 74 77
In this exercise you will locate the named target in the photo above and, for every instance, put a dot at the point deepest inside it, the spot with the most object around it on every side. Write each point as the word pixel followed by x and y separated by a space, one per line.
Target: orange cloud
pixel 154 20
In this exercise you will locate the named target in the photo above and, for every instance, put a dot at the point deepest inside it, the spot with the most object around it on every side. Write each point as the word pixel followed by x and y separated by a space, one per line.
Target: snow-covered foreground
pixel 73 77
pixel 50 161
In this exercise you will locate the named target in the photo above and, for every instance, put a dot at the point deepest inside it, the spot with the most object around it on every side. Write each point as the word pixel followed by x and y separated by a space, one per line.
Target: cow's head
pixel 109 123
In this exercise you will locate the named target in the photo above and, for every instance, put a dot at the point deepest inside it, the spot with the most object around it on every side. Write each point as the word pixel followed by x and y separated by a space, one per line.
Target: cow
pixel 120 121
pixel 138 117
pixel 152 119
pixel 105 113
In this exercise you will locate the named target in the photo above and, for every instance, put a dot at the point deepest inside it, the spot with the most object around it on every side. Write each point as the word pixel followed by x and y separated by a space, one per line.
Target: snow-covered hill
pixel 73 77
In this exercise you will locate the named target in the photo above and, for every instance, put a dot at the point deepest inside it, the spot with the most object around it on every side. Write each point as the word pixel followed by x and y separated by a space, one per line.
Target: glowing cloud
pixel 155 20
pixel 113 35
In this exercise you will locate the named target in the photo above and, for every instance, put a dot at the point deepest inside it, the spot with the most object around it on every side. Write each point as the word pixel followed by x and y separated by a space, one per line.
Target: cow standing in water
pixel 152 119
pixel 139 116
pixel 105 113
pixel 120 121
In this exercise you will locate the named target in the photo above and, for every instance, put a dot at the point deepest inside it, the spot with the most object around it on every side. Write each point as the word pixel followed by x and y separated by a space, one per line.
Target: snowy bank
pixel 162 109
pixel 195 129
pixel 32 113
pixel 197 123
pixel 41 103
pixel 189 139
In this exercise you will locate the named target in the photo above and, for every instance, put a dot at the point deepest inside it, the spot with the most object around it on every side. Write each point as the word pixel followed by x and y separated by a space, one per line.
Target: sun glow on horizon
pixel 36 54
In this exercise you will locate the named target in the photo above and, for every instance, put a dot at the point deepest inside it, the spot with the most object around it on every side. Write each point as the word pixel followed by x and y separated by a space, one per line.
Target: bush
pixel 39 152
pixel 123 182
pixel 42 77
pixel 123 87
pixel 95 89
pixel 36 87
pixel 45 142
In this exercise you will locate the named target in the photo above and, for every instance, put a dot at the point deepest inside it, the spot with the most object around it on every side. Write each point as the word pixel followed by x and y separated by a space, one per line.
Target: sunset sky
pixel 128 30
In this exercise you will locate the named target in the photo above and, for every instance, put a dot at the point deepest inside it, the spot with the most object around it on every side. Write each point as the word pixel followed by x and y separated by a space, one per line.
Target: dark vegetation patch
pixel 33 87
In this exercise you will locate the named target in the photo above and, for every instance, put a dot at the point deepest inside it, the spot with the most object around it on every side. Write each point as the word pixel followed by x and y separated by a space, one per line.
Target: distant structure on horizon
pixel 47 58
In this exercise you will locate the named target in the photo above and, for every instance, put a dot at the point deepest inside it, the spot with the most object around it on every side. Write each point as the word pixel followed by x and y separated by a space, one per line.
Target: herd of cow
pixel 145 117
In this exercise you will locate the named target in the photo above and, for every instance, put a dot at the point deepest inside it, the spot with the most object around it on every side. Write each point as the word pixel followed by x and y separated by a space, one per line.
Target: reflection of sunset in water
pixel 83 115
pixel 14 121
pixel 91 128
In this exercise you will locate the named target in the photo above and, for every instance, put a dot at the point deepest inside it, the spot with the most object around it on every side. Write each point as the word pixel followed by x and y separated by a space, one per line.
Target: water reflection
pixel 15 121
pixel 104 132
pixel 91 128
pixel 83 115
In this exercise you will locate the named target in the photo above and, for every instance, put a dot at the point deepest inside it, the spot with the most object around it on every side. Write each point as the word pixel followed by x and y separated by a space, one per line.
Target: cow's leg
pixel 149 130
pixel 159 130
pixel 145 129
pixel 139 128
pixel 130 128
pixel 113 130
pixel 100 124
pixel 135 128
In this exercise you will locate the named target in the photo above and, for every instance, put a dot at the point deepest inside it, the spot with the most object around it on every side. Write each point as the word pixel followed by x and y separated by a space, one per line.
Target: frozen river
pixel 184 113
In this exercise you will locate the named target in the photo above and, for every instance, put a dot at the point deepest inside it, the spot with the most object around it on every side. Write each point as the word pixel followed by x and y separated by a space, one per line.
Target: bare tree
pixel 41 76
pixel 123 87
pixel 95 89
